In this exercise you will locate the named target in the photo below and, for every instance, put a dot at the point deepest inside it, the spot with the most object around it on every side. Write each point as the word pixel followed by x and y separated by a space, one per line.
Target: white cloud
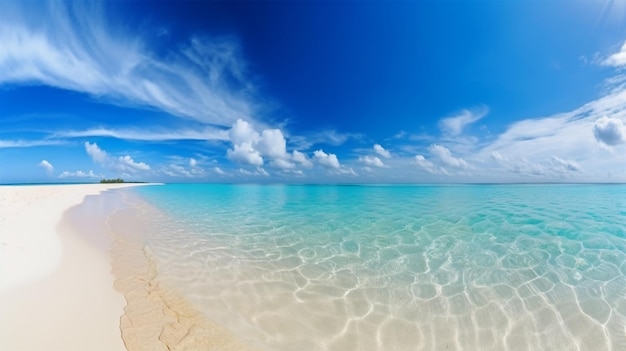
pixel 121 164
pixel 332 137
pixel 245 153
pixel 97 155
pixel 326 160
pixel 381 151
pixel 426 165
pixel 80 174
pixel 617 59
pixel 273 144
pixel 282 164
pixel 70 45
pixel 454 125
pixel 193 162
pixel 327 137
pixel 610 131
pixel 348 171
pixel 243 132
pixel 259 171
pixel 5 144
pixel 203 133
pixel 251 147
pixel 566 165
pixel 446 157
pixel 371 161
pixel 585 134
pixel 498 156
pixel 218 171
pixel 174 170
pixel 47 166
pixel 127 164
pixel 302 159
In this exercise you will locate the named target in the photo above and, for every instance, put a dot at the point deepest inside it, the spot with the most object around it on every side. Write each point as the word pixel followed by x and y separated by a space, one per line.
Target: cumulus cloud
pixel 243 132
pixel 617 59
pixel 47 166
pixel 80 174
pixel 610 131
pixel 71 45
pixel 301 159
pixel 121 164
pixel 381 151
pixel 454 125
pixel 245 153
pixel 218 171
pixel 193 162
pixel 371 161
pixel 273 144
pixel 326 160
pixel 446 157
pixel 251 147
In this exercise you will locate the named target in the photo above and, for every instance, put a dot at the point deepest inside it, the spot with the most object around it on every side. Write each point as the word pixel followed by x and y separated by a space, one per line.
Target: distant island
pixel 116 180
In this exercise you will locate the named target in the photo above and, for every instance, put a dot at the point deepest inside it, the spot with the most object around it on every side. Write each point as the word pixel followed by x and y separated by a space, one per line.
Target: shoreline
pixel 56 284
pixel 157 316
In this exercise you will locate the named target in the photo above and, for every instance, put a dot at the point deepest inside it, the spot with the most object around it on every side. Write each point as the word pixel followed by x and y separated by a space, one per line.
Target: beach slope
pixel 56 286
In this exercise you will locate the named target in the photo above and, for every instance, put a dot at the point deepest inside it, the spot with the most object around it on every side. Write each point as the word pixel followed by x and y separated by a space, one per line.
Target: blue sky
pixel 313 92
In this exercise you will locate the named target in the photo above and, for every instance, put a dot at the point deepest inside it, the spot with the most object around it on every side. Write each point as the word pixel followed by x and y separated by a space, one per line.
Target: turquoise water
pixel 473 267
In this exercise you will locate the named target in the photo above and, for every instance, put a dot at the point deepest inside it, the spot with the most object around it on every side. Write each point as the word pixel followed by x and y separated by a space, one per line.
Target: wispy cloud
pixel 28 143
pixel 80 174
pixel 203 133
pixel 70 45
pixel 616 59
pixel 454 125
pixel 327 137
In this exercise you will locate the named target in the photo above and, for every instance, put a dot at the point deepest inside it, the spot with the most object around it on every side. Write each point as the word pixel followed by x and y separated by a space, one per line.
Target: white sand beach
pixel 56 285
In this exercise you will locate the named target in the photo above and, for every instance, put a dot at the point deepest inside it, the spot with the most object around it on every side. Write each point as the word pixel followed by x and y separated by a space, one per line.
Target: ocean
pixel 442 267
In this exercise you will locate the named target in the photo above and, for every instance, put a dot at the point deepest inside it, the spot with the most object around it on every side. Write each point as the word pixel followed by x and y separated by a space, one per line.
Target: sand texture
pixel 56 286
pixel 156 316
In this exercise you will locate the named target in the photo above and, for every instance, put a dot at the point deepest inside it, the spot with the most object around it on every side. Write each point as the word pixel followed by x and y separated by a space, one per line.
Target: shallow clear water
pixel 474 267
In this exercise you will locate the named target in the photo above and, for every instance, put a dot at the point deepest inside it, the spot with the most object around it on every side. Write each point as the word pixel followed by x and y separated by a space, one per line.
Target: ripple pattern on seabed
pixel 402 268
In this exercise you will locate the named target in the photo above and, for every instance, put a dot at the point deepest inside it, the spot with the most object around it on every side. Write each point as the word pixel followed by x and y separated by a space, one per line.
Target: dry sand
pixel 80 278
pixel 56 285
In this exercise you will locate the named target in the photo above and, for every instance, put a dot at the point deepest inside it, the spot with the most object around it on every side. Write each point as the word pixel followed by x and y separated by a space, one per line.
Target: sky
pixel 313 91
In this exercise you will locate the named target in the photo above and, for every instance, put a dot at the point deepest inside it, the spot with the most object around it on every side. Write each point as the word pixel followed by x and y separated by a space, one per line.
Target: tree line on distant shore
pixel 116 180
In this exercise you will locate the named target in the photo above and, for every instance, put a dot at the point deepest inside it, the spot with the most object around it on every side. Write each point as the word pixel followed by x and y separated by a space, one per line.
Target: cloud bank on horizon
pixel 211 120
